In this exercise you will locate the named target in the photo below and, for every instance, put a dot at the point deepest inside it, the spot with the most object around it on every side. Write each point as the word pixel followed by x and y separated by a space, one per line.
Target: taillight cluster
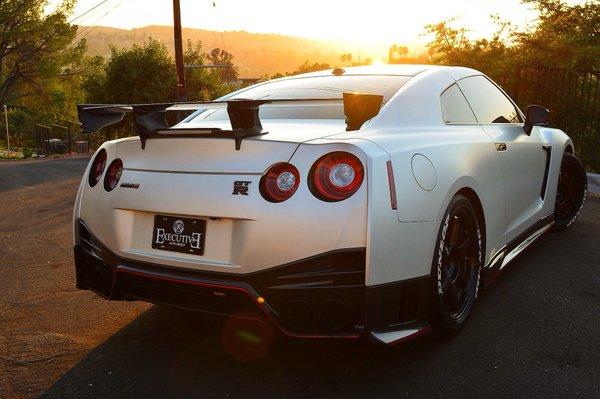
pixel 280 182
pixel 333 177
pixel 97 168
pixel 113 173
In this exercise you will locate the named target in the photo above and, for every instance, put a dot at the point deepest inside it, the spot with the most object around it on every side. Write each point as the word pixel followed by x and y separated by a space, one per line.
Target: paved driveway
pixel 535 333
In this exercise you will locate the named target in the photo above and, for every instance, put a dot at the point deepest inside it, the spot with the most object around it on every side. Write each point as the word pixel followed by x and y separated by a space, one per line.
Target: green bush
pixel 27 153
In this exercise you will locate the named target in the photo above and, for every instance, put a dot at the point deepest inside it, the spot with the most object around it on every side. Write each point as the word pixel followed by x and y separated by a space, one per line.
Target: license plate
pixel 172 233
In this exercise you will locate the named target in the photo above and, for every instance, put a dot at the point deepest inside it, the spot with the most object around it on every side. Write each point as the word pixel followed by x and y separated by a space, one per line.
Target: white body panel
pixel 432 161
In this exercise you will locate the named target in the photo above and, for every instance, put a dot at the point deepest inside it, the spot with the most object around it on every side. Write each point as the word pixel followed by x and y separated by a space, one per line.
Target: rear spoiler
pixel 151 119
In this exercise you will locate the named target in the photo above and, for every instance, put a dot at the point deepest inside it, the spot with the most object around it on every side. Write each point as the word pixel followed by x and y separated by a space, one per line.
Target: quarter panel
pixel 463 156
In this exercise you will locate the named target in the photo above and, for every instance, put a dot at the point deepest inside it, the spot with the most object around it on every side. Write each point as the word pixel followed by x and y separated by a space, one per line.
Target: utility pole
pixel 7 135
pixel 178 51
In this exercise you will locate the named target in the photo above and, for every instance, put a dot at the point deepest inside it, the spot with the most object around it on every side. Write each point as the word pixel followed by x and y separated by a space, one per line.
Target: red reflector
pixel 392 183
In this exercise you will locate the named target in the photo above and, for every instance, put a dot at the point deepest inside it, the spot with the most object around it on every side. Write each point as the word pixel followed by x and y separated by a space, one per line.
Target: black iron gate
pixel 573 100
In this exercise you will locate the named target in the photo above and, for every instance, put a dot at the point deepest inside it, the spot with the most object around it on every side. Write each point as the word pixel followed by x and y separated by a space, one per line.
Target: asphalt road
pixel 535 333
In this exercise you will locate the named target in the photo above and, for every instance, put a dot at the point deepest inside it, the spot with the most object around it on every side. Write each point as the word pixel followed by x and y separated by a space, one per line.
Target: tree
pixel 396 53
pixel 451 46
pixel 35 47
pixel 308 67
pixel 141 74
pixel 276 75
pixel 565 36
pixel 346 59
pixel 221 57
pixel 202 83
pixel 19 121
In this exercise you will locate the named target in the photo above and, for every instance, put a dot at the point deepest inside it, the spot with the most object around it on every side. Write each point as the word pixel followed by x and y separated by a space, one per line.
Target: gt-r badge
pixel 130 185
pixel 240 187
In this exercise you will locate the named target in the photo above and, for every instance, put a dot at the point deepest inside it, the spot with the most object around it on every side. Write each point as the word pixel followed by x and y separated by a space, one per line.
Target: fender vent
pixel 548 151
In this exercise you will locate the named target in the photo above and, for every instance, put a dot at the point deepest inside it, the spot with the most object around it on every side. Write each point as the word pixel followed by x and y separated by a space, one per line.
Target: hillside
pixel 255 54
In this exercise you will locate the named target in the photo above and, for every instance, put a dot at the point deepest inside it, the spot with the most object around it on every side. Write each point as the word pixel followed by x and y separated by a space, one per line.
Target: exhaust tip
pixel 297 314
pixel 334 315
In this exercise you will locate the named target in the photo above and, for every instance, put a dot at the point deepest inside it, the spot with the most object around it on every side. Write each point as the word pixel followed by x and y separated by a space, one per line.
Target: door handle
pixel 500 146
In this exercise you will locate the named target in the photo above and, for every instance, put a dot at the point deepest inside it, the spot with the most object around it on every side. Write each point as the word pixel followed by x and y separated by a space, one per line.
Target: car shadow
pixel 174 353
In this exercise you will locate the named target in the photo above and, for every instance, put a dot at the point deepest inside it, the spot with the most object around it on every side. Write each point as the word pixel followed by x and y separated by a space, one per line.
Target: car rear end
pixel 272 226
pixel 192 222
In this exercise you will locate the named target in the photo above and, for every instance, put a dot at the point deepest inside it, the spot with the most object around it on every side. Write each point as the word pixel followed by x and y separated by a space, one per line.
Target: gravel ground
pixel 533 334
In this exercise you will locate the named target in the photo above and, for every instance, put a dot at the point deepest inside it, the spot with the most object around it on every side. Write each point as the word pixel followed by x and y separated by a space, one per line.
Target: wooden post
pixel 7 135
pixel 178 51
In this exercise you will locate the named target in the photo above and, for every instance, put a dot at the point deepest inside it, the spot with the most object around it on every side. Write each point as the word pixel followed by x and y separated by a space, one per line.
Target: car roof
pixel 387 69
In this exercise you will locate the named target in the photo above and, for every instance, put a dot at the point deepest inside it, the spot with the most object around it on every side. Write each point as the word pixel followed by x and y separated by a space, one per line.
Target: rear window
pixel 455 109
pixel 311 87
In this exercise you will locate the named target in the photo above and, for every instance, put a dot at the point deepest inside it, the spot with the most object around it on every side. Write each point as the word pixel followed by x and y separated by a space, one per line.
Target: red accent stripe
pixel 184 281
pixel 392 184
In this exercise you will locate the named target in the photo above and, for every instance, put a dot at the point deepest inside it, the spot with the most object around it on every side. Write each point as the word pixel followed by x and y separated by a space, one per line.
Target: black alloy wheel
pixel 570 193
pixel 456 269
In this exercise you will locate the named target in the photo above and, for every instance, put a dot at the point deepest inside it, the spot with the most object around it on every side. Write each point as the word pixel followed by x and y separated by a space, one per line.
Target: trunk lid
pixel 218 155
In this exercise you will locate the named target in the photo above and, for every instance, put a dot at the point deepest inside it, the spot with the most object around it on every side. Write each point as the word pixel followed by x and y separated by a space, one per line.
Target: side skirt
pixel 510 251
pixel 396 312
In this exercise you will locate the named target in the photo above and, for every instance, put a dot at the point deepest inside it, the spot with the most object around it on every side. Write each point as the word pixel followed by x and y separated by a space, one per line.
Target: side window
pixel 455 109
pixel 489 104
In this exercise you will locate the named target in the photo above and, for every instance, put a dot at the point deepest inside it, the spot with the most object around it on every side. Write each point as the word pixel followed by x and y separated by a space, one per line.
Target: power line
pixel 215 34
pixel 92 26
pixel 89 10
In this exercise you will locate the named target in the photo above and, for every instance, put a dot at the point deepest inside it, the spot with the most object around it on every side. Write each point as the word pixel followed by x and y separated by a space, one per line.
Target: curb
pixel 593 183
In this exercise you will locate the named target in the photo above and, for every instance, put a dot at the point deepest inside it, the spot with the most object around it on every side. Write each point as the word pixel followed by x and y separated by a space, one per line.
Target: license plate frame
pixel 179 234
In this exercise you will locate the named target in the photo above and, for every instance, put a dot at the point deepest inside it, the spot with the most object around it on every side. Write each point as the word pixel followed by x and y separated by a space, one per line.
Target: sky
pixel 358 22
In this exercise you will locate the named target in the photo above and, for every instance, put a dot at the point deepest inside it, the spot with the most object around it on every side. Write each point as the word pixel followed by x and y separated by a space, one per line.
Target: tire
pixel 570 192
pixel 456 268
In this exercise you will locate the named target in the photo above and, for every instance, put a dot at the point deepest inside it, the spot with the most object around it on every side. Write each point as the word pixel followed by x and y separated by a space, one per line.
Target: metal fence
pixel 572 98
pixel 58 139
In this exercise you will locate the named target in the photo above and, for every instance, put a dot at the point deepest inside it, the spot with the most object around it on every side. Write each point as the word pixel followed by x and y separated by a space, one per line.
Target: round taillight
pixel 97 168
pixel 280 182
pixel 113 174
pixel 335 176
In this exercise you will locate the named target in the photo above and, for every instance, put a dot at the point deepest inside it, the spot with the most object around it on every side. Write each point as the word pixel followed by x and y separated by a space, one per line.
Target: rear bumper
pixel 319 297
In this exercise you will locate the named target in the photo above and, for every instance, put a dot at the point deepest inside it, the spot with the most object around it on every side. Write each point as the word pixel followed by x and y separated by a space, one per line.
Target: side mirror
pixel 536 116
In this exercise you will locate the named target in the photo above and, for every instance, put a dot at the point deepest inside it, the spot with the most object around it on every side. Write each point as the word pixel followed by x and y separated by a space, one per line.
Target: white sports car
pixel 365 202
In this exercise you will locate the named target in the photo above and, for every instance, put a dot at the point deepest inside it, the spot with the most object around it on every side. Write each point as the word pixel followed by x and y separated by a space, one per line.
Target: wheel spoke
pixel 459 263
pixel 464 245
pixel 454 233
pixel 453 300
pixel 463 272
